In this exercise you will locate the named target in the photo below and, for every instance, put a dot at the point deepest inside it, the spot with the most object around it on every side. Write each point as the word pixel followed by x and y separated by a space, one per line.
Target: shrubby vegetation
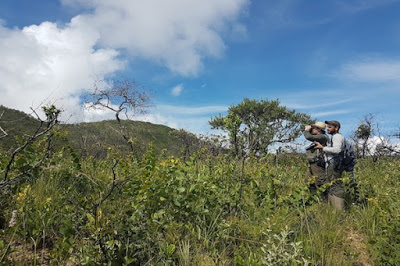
pixel 209 208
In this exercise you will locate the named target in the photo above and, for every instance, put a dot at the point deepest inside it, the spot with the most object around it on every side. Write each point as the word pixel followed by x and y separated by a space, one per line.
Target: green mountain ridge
pixel 16 124
pixel 91 138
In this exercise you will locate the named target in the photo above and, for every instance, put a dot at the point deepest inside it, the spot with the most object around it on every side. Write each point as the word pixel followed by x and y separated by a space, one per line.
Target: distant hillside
pixel 92 138
pixel 15 123
pixel 88 137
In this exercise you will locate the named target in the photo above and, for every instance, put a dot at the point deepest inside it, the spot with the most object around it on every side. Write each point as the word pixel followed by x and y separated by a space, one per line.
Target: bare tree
pixel 396 134
pixel 189 141
pixel 371 141
pixel 214 143
pixel 121 97
pixel 386 146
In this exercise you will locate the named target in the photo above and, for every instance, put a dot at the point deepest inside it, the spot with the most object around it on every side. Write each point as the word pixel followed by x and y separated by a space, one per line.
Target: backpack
pixel 349 158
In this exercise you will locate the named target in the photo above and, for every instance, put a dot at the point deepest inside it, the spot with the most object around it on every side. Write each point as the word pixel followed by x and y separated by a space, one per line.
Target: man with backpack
pixel 335 156
pixel 315 157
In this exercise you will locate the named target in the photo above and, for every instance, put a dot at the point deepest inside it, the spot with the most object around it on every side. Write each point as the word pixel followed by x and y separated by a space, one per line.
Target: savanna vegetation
pixel 73 202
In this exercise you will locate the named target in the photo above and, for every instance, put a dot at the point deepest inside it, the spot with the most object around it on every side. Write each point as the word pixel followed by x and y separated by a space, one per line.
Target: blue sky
pixel 331 59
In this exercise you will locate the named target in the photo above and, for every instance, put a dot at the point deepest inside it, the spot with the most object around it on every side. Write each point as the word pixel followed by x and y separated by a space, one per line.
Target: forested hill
pixel 16 124
pixel 91 137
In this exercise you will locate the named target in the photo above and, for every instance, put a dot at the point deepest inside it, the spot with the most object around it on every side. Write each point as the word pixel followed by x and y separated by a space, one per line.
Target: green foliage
pixel 364 131
pixel 189 140
pixel 156 208
pixel 253 126
pixel 92 139
pixel 51 112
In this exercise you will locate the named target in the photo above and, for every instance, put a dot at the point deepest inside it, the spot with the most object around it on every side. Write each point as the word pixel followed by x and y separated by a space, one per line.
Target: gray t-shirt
pixel 335 147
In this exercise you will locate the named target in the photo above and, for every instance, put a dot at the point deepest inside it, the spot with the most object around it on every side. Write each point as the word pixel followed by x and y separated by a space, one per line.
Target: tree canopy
pixel 254 125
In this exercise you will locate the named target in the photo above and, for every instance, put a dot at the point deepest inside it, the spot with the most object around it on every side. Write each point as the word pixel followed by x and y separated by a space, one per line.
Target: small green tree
pixel 189 140
pixel 363 134
pixel 254 126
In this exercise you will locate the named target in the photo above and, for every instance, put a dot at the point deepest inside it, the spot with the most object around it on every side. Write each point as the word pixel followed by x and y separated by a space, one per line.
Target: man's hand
pixel 318 146
pixel 307 128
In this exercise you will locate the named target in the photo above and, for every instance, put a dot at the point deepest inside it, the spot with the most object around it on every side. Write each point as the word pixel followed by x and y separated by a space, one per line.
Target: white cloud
pixel 370 70
pixel 157 118
pixel 193 119
pixel 78 3
pixel 376 141
pixel 286 14
pixel 396 147
pixel 50 62
pixel 174 33
pixel 93 113
pixel 329 113
pixel 318 105
pixel 196 125
pixel 46 63
pixel 177 90
pixel 352 7
pixel 373 143
pixel 186 110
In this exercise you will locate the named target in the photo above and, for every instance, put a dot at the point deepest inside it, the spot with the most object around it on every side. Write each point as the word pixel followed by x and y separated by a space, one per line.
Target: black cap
pixel 333 123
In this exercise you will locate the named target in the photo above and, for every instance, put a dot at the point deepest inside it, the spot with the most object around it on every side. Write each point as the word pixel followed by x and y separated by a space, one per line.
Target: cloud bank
pixel 44 63
pixel 56 62
pixel 174 33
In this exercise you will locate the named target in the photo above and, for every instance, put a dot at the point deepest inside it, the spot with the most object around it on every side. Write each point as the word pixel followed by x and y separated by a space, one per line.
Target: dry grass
pixel 357 244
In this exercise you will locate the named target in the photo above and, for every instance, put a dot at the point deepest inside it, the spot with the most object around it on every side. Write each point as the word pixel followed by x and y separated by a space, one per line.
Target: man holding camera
pixel 334 153
pixel 315 157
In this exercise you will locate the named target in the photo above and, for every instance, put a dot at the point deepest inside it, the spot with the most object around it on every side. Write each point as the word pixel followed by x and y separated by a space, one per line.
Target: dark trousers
pixel 317 178
pixel 334 174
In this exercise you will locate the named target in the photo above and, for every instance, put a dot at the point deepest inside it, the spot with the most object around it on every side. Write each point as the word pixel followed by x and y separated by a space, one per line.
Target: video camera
pixel 311 146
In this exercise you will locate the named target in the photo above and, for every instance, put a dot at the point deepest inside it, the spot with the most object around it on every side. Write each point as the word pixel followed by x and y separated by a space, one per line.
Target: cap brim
pixel 333 123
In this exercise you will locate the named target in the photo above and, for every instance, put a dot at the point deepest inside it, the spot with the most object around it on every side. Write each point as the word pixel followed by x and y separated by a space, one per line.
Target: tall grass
pixel 202 211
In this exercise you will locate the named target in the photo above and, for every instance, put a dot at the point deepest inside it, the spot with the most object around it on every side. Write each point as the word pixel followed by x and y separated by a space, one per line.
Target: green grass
pixel 155 208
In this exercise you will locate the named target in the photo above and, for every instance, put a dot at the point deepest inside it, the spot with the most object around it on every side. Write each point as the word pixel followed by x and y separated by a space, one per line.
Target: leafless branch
pixel 114 184
pixel 1 129
pixel 51 122
pixel 121 97
pixel 97 205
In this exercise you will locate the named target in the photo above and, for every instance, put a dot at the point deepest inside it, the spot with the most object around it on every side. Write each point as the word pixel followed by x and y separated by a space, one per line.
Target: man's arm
pixel 311 137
